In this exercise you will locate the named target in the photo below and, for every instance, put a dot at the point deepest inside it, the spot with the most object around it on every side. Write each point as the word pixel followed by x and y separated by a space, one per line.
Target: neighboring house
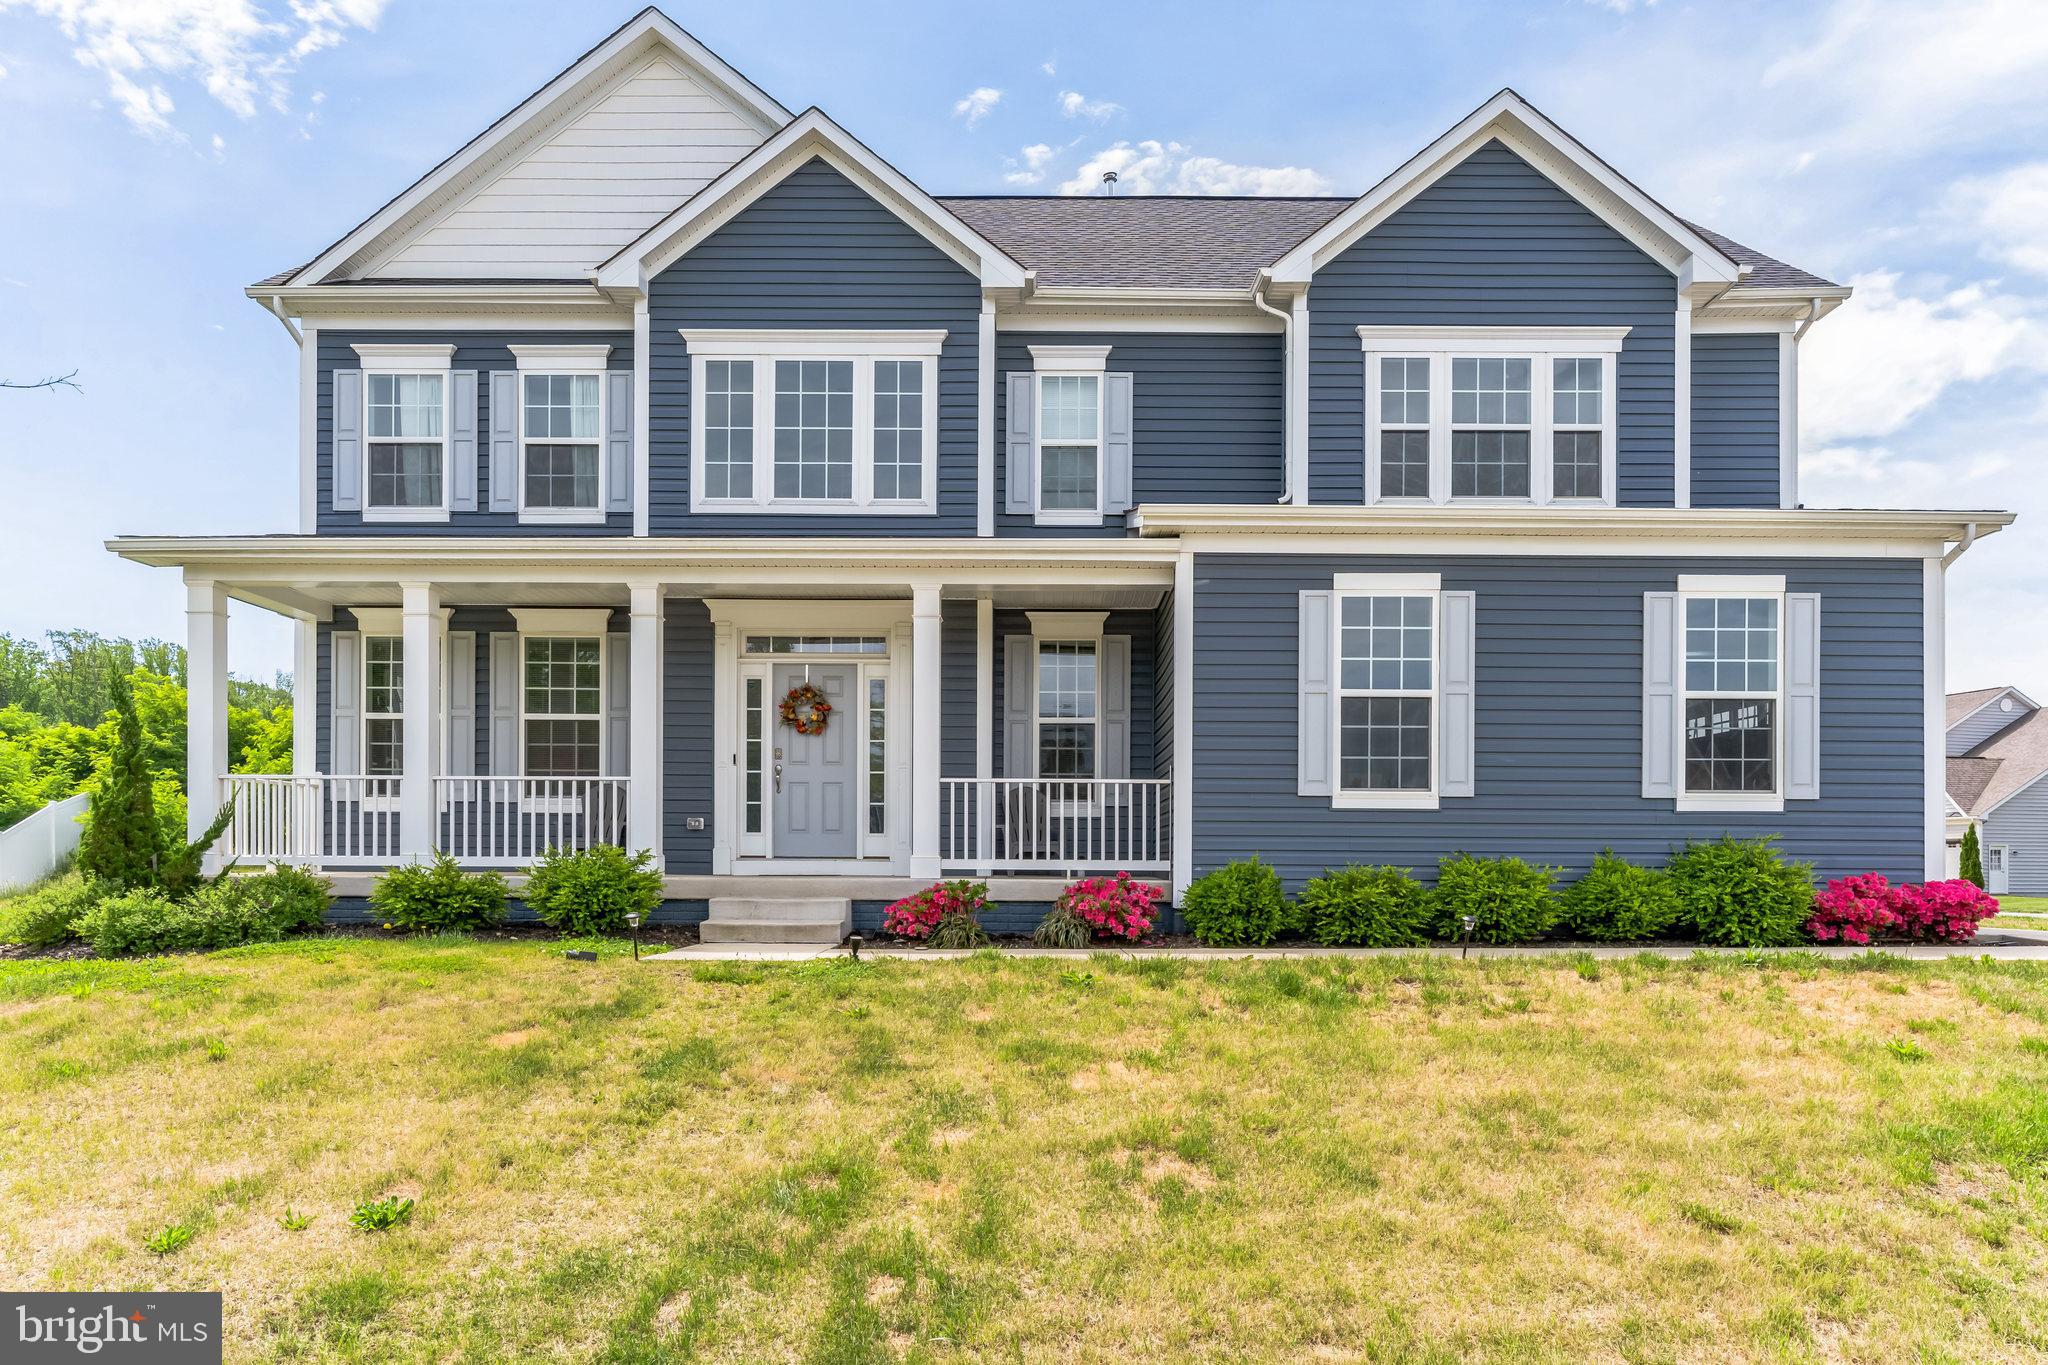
pixel 1997 763
pixel 1144 533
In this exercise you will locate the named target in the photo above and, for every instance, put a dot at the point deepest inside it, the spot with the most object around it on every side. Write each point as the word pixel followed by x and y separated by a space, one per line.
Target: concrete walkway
pixel 2004 945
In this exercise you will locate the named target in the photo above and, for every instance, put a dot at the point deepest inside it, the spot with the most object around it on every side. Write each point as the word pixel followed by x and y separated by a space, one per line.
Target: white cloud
pixel 1151 167
pixel 1886 356
pixel 1622 6
pixel 2007 213
pixel 975 105
pixel 3 72
pixel 1028 168
pixel 1049 68
pixel 237 50
pixel 1074 104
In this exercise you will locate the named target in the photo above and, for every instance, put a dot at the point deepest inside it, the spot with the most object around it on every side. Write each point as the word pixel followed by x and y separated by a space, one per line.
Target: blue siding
pixel 815 251
pixel 480 351
pixel 686 721
pixel 1206 417
pixel 1735 420
pixel 1559 718
pixel 1492 242
pixel 956 688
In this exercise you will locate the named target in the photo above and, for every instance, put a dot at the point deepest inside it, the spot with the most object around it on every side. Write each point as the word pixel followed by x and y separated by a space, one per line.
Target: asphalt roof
pixel 1765 272
pixel 2013 758
pixel 1961 704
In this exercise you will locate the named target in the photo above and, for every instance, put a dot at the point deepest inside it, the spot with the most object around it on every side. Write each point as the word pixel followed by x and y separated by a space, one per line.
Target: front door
pixel 816 799
pixel 1996 874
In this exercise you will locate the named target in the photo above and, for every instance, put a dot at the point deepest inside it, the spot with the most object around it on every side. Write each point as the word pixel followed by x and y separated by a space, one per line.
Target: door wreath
pixel 805 710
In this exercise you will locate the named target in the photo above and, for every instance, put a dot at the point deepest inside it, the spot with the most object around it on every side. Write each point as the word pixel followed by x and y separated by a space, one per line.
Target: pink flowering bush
pixel 917 916
pixel 1867 908
pixel 1112 907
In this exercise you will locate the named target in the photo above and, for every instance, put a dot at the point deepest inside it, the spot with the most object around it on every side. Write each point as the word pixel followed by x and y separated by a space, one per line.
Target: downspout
pixel 1286 384
pixel 277 307
pixel 1969 539
pixel 1812 316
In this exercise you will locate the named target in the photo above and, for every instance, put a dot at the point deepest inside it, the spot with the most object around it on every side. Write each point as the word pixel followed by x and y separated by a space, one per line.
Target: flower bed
pixel 1869 908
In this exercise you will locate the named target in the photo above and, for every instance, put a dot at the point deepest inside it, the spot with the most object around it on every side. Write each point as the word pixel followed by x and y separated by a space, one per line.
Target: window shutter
pixel 1313 714
pixel 618 442
pixel 1660 695
pixel 1116 443
pixel 461 685
pixel 1020 756
pixel 1116 708
pixel 504 441
pixel 346 749
pixel 462 441
pixel 1802 696
pixel 1457 725
pixel 348 440
pixel 505 704
pixel 1018 493
pixel 618 705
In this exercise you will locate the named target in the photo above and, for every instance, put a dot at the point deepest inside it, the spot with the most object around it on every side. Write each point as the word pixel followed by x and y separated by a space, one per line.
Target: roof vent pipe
pixel 1286 383
pixel 1109 184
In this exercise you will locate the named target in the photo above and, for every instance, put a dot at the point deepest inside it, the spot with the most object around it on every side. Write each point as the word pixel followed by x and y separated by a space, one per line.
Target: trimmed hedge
pixel 1369 907
pixel 1510 901
pixel 1741 893
pixel 1241 904
pixel 1617 900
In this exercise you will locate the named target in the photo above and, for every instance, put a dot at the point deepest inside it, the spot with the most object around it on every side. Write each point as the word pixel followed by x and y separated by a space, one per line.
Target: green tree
pixel 1972 868
pixel 122 839
pixel 21 674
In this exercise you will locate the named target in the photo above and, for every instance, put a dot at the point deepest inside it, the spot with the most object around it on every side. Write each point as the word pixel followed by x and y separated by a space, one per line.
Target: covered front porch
pixel 842 710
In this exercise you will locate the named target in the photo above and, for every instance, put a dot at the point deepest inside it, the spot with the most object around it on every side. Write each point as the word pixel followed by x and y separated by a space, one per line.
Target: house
pixel 1997 747
pixel 1142 533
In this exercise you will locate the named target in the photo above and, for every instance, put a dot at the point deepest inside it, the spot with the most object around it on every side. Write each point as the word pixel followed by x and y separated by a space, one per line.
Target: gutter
pixel 276 306
pixel 1969 539
pixel 1265 278
pixel 1812 316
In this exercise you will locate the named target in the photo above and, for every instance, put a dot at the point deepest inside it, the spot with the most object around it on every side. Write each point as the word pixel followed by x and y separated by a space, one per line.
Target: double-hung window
pixel 1490 414
pixel 405 425
pixel 819 421
pixel 561 432
pixel 1068 419
pixel 1067 712
pixel 383 705
pixel 1731 699
pixel 562 706
pixel 1386 693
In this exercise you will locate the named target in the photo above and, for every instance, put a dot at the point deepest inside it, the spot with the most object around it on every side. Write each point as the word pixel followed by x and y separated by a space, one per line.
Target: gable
pixel 650 139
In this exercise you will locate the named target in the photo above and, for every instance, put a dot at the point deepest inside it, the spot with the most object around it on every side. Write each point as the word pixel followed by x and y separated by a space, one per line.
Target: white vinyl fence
pixel 31 849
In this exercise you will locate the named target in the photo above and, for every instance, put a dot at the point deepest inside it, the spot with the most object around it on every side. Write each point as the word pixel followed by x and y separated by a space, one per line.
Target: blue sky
pixel 163 153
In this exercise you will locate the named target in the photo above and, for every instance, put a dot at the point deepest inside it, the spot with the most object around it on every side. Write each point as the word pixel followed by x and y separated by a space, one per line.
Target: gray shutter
pixel 1116 444
pixel 505 704
pixel 348 440
pixel 1116 706
pixel 462 441
pixel 618 442
pixel 1313 705
pixel 1802 696
pixel 618 705
pixel 345 753
pixel 504 440
pixel 461 684
pixel 1660 695
pixel 1017 490
pixel 1456 726
pixel 1020 755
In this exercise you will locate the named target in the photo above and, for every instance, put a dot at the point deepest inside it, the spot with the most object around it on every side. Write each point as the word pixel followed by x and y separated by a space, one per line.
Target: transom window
pixel 1386 691
pixel 1457 414
pixel 822 421
pixel 383 705
pixel 560 437
pixel 1731 694
pixel 817 644
pixel 407 441
pixel 563 707
pixel 1067 709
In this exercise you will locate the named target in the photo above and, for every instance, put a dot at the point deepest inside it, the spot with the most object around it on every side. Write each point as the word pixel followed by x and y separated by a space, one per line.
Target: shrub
pixel 959 929
pixel 1970 864
pixel 1618 900
pixel 1510 901
pixel 591 892
pixel 1853 910
pixel 1945 911
pixel 1742 892
pixel 284 900
pixel 919 915
pixel 437 896
pixel 223 914
pixel 1864 908
pixel 1239 904
pixel 1374 907
pixel 1115 907
pixel 127 841
pixel 1062 928
pixel 141 920
pixel 49 914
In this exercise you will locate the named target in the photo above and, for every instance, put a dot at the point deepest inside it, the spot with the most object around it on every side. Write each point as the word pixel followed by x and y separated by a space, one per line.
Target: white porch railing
pixel 1010 824
pixel 338 821
pixel 516 819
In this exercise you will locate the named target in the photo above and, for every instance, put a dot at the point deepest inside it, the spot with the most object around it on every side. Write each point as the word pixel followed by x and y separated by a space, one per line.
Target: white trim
pixel 402 357
pixel 1295 434
pixel 1933 672
pixel 305 697
pixel 408 358
pixel 607 761
pixel 1528 133
pixel 985 421
pixel 1733 585
pixel 1493 340
pixel 984 722
pixel 1681 406
pixel 1788 419
pixel 1182 852
pixel 562 620
pixel 811 135
pixel 647 669
pixel 1704 325
pixel 643 454
pixel 744 343
pixel 1070 359
pixel 1386 585
pixel 926 690
pixel 1717 586
pixel 1067 625
pixel 1386 582
pixel 543 361
pixel 380 312
pixel 562 359
pixel 309 429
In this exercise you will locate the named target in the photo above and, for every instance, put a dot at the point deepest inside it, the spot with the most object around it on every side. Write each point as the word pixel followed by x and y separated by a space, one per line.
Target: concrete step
pixel 821 932
pixel 782 908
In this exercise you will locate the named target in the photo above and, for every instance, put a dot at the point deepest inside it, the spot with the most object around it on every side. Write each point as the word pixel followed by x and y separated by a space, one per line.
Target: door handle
pixel 778 777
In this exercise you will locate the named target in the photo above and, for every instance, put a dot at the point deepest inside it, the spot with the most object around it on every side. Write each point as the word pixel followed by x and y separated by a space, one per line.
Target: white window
pixel 1068 478
pixel 814 421
pixel 1386 655
pixel 562 706
pixel 1731 693
pixel 383 705
pixel 1504 415
pixel 561 432
pixel 405 426
pixel 1068 709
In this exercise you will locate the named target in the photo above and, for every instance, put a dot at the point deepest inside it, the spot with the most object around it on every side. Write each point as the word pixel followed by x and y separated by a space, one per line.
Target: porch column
pixel 984 734
pixel 421 614
pixel 305 696
pixel 924 770
pixel 643 802
pixel 206 705
pixel 1183 792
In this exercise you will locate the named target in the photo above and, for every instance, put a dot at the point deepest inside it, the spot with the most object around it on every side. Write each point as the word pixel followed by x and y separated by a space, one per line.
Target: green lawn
pixel 2020 912
pixel 1545 1159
